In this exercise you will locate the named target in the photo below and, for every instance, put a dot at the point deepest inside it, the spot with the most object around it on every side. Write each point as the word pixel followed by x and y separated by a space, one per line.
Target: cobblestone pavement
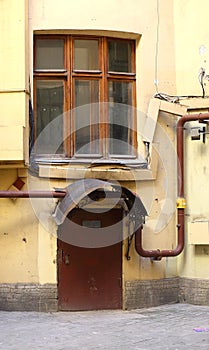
pixel 176 326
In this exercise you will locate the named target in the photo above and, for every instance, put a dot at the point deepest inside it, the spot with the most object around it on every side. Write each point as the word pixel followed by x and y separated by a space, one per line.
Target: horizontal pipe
pixel 45 194
pixel 32 194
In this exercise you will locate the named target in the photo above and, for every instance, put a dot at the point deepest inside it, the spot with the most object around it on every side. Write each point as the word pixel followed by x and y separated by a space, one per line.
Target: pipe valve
pixel 180 203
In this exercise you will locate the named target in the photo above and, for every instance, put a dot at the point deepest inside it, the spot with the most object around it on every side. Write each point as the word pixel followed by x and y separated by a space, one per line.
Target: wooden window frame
pixel 68 75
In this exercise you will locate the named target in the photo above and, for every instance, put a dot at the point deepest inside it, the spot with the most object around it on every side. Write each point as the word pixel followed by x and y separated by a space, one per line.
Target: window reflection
pixel 87 117
pixel 119 56
pixel 86 55
pixel 49 54
pixel 49 105
pixel 120 117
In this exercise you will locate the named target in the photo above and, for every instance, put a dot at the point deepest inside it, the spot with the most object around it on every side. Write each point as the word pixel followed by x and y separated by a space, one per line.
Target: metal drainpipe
pixel 181 203
pixel 32 194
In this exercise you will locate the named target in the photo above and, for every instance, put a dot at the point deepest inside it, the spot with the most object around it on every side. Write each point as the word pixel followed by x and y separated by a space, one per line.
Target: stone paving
pixel 172 327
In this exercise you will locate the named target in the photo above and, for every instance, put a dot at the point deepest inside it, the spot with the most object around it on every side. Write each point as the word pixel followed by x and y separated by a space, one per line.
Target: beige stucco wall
pixel 141 19
pixel 152 27
pixel 195 259
pixel 191 44
pixel 28 246
pixel 18 236
pixel 168 60
pixel 192 53
pixel 155 61
pixel 14 80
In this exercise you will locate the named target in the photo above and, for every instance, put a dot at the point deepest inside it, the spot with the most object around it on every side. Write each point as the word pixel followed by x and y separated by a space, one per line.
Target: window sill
pixel 121 170
pixel 91 162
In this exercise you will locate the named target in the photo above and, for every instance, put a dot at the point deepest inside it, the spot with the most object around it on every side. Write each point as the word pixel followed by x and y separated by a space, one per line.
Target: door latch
pixel 67 261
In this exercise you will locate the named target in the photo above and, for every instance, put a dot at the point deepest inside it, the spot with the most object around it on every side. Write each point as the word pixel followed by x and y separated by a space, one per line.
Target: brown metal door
pixel 90 278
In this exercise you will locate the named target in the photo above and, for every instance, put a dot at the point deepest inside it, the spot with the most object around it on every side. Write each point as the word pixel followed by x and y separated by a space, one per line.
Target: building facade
pixel 103 154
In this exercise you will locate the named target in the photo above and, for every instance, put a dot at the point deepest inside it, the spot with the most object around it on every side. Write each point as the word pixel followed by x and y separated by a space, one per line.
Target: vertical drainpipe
pixel 180 203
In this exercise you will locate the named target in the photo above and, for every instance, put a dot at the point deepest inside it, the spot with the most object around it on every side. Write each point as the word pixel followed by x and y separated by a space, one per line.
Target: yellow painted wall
pixel 191 44
pixel 152 26
pixel 18 236
pixel 47 254
pixel 168 60
pixel 14 79
pixel 27 245
pixel 140 19
pixel 192 53
pixel 194 261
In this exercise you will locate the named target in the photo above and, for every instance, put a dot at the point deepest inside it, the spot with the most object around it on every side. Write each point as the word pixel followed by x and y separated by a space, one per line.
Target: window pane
pixel 86 55
pixel 49 54
pixel 87 116
pixel 49 105
pixel 120 118
pixel 119 56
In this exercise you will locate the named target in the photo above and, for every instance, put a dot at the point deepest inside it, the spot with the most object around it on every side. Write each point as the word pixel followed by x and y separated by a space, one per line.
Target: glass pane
pixel 119 56
pixel 86 55
pixel 49 118
pixel 49 54
pixel 120 118
pixel 86 116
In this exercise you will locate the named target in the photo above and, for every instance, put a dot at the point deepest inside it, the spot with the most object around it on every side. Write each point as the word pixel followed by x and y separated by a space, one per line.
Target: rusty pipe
pixel 159 254
pixel 32 194
pixel 42 194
